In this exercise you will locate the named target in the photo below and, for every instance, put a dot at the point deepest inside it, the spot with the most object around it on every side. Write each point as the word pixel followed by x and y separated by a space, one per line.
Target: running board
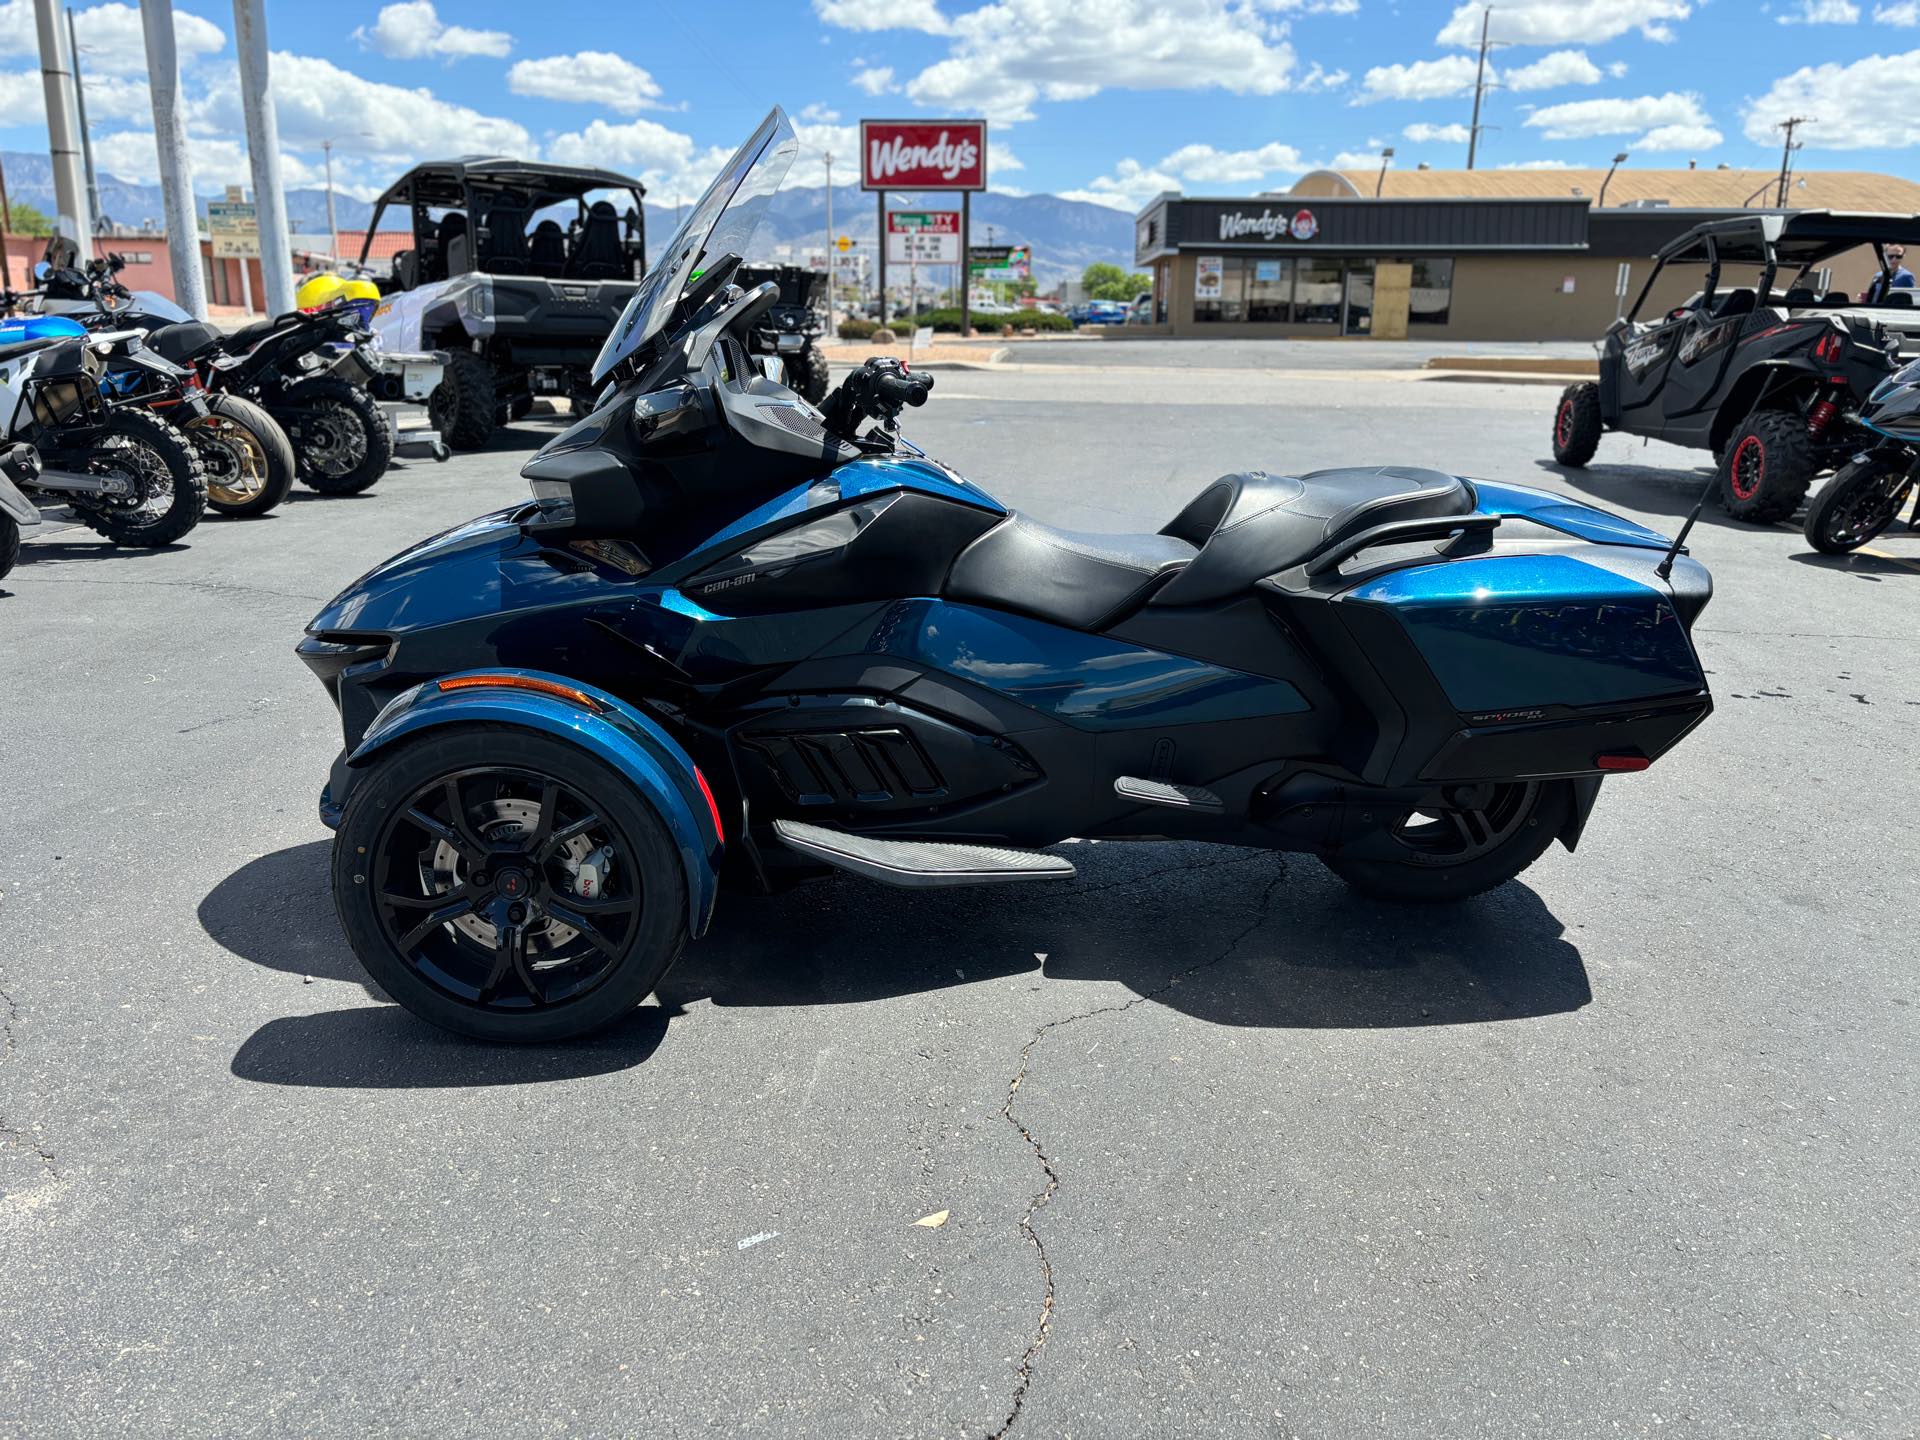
pixel 920 864
pixel 1165 792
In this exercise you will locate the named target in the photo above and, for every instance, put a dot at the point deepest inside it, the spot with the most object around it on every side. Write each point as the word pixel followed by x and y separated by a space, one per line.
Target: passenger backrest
pixel 596 253
pixel 1799 296
pixel 506 243
pixel 547 249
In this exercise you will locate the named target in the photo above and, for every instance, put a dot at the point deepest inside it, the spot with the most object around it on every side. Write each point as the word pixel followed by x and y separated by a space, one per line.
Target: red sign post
pixel 922 155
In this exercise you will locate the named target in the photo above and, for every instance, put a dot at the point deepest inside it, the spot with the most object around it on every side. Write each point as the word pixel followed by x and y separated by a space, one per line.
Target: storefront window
pixel 1359 297
pixel 1231 303
pixel 1432 292
pixel 1270 290
pixel 1316 292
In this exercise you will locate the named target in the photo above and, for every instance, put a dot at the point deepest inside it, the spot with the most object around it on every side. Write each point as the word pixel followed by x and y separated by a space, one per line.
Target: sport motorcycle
pixel 733 635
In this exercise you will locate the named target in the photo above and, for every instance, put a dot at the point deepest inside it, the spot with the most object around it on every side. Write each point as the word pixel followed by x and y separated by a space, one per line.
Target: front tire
pixel 462 405
pixel 339 432
pixel 811 375
pixel 1768 466
pixel 9 545
pixel 506 885
pixel 247 456
pixel 163 465
pixel 1483 840
pixel 1576 425
pixel 1863 498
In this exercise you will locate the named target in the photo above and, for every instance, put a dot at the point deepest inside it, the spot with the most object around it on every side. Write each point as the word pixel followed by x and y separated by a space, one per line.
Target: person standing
pixel 1893 276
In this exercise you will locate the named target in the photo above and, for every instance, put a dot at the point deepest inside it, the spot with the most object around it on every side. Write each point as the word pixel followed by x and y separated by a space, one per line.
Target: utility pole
pixel 333 230
pixel 80 110
pixel 830 250
pixel 69 183
pixel 1790 124
pixel 6 224
pixel 263 151
pixel 176 170
pixel 1479 88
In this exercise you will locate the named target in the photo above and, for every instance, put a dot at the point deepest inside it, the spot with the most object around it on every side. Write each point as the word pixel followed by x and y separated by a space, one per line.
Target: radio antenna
pixel 1665 568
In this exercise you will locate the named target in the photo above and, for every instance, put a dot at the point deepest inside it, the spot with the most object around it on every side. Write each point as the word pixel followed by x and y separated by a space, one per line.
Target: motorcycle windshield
pixel 722 222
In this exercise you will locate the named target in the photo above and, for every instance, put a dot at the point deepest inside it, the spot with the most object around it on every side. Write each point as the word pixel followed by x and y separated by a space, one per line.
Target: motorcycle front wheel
pixel 162 467
pixel 504 884
pixel 1481 837
pixel 248 458
pixel 1863 498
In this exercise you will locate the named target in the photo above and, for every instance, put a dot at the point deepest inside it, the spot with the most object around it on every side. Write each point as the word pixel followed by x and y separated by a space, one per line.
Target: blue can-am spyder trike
pixel 732 632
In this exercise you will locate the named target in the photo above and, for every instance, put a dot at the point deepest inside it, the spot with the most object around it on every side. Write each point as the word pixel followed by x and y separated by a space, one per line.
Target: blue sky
pixel 1105 100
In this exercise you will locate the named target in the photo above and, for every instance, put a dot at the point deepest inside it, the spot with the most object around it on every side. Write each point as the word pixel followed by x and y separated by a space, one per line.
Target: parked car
pixel 1770 380
pixel 1105 312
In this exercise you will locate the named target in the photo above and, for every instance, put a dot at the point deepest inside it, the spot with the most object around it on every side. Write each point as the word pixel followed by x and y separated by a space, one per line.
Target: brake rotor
pixel 236 464
pixel 502 822
pixel 331 439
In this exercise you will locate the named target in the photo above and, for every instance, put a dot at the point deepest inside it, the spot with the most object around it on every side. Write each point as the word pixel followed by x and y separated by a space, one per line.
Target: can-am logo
pixel 1238 225
pixel 918 155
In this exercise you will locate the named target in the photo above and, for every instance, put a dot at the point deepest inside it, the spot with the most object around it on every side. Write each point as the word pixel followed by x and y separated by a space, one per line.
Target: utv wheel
pixel 1768 467
pixel 9 545
pixel 1483 841
pixel 1863 498
pixel 520 406
pixel 462 404
pixel 247 456
pixel 339 432
pixel 166 473
pixel 1576 425
pixel 506 885
pixel 810 375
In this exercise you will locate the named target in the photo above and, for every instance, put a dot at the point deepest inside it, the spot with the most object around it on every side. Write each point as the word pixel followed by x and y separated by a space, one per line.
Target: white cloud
pixel 1871 104
pixel 1549 72
pixel 1320 78
pixel 1132 184
pixel 1564 22
pixel 1535 165
pixel 875 80
pixel 1422 79
pixel 643 147
pixel 1355 160
pixel 413 30
pixel 111 39
pixel 1618 68
pixel 1902 12
pixel 593 77
pixel 131 155
pixel 883 15
pixel 1422 133
pixel 1822 12
pixel 814 113
pixel 1008 55
pixel 1672 121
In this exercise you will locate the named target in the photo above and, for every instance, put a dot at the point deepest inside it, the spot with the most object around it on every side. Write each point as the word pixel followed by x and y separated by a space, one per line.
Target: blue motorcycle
pixel 733 636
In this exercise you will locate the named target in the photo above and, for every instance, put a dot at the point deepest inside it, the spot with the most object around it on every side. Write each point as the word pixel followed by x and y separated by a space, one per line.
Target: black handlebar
pixel 878 390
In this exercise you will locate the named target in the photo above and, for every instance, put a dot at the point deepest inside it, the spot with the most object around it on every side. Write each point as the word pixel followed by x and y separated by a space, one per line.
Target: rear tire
pixel 339 432
pixel 169 469
pixel 1862 499
pixel 462 404
pixel 9 545
pixel 1516 827
pixel 248 457
pixel 396 844
pixel 1768 467
pixel 1576 425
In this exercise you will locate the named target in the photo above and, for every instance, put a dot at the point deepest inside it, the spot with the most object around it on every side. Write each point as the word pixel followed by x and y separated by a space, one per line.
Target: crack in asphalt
pixel 11 1134
pixel 217 589
pixel 1023 1373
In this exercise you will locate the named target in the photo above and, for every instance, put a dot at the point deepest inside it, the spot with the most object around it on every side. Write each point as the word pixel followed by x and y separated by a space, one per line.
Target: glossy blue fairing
pixel 1505 631
pixel 1092 682
pixel 16 328
pixel 616 733
pixel 1556 512
pixel 488 566
pixel 855 480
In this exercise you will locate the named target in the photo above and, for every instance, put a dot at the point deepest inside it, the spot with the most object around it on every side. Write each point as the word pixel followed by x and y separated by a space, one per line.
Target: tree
pixel 29 221
pixel 1109 282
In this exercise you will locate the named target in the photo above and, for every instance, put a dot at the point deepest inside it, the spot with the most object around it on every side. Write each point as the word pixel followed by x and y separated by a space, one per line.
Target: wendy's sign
pixel 914 155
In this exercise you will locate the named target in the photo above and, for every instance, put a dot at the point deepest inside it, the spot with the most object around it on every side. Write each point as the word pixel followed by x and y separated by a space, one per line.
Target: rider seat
pixel 1077 580
pixel 248 336
pixel 182 342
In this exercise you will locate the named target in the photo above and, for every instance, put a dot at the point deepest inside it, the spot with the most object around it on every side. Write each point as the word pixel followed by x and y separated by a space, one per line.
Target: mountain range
pixel 1066 235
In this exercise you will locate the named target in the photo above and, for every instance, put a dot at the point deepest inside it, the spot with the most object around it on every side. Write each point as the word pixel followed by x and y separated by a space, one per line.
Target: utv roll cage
pixel 483 214
pixel 1800 239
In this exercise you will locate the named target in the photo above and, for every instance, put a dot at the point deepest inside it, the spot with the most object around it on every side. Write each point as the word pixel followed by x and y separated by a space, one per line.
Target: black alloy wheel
pixel 1470 839
pixel 1576 425
pixel 1862 499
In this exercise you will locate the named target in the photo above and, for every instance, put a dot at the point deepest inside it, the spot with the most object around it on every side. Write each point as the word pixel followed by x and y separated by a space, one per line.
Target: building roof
pixel 1683 189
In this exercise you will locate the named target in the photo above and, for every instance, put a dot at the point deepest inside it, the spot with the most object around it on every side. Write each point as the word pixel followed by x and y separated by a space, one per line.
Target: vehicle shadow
pixel 1230 937
pixel 67 552
pixel 1867 567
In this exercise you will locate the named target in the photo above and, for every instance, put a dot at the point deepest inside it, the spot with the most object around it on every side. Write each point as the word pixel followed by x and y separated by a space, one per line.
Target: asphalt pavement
pixel 1627 1147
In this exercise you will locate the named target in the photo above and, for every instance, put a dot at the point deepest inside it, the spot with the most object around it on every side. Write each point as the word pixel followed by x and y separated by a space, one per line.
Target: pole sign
pixel 1000 262
pixel 923 237
pixel 918 155
pixel 235 229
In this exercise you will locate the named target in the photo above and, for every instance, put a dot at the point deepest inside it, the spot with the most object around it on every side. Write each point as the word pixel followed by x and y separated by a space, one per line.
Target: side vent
pixel 849 767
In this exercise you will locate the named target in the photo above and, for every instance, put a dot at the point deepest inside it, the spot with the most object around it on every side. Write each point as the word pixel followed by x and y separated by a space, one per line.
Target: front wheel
pixel 1576 425
pixel 462 406
pixel 1767 468
pixel 339 433
pixel 1474 838
pixel 809 375
pixel 506 885
pixel 166 486
pixel 248 457
pixel 9 545
pixel 1864 497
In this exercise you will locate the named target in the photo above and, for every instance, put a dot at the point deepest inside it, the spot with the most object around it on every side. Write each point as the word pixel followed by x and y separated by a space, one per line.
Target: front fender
pixel 608 728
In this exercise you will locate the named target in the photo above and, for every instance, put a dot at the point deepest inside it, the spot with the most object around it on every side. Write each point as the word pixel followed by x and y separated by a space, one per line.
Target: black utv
pixel 518 270
pixel 1769 377
pixel 792 327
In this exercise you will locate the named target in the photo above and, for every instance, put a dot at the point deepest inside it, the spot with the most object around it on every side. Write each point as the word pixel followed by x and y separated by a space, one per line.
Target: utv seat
pixel 596 253
pixel 1898 299
pixel 504 248
pixel 1799 298
pixel 547 250
pixel 1734 302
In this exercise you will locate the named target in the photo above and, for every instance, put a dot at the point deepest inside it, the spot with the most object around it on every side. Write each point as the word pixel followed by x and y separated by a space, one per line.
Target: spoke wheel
pixel 506 889
pixel 332 440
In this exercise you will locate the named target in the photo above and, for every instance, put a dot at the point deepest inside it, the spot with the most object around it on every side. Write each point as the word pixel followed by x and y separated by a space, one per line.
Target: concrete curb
pixel 1558 366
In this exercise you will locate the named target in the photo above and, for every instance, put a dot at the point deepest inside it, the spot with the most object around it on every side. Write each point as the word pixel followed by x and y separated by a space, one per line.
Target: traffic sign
pixel 235 229
pixel 844 244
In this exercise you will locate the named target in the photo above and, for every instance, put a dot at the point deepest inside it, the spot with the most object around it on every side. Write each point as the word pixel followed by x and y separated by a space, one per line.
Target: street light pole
pixel 263 150
pixel 176 171
pixel 829 250
pixel 1386 156
pixel 80 113
pixel 69 185
pixel 1618 161
pixel 333 229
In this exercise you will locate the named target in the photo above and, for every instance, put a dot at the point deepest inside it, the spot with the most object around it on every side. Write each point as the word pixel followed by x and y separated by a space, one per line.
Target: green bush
pixel 1019 319
pixel 855 328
